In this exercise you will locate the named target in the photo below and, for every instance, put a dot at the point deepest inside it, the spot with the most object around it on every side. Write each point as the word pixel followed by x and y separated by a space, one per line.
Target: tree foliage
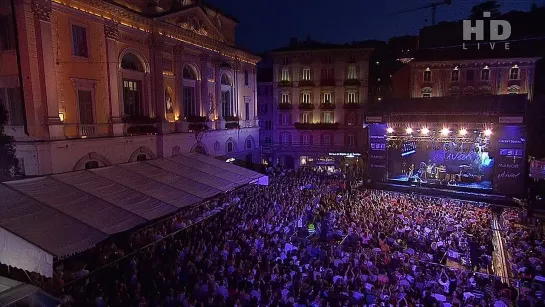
pixel 491 6
pixel 8 161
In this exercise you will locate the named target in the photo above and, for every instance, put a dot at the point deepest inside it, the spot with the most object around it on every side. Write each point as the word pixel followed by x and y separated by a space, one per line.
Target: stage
pixel 478 195
pixel 465 186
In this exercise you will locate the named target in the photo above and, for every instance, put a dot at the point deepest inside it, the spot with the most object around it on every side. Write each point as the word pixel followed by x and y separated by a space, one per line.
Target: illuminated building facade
pixel 107 82
pixel 319 91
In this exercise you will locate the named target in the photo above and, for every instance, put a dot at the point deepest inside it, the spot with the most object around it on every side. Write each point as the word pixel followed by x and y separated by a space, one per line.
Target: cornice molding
pixel 42 9
pixel 111 30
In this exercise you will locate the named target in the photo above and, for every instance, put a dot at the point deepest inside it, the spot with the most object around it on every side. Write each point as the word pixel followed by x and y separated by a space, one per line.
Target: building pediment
pixel 194 19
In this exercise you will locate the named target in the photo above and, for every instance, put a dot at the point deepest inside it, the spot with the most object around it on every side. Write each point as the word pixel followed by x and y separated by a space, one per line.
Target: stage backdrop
pixel 377 152
pixel 510 160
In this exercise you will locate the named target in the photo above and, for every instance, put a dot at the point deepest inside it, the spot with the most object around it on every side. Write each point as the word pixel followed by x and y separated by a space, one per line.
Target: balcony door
pixel 132 98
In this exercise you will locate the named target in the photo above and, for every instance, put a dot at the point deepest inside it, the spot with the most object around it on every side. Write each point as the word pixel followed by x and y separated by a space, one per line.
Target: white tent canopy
pixel 59 215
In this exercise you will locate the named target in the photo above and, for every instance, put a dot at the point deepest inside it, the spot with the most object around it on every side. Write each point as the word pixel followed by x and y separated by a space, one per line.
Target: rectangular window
pixel 351 97
pixel 10 98
pixel 246 78
pixel 470 75
pixel 268 140
pixel 268 125
pixel 350 140
pixel 284 118
pixel 225 102
pixel 326 140
pixel 286 138
pixel 306 117
pixel 85 107
pixel 247 110
pixel 427 76
pixel 306 139
pixel 79 41
pixel 306 98
pixel 485 74
pixel 306 74
pixel 327 97
pixel 514 73
pixel 285 61
pixel 328 117
pixel 327 73
pixel 352 75
pixel 455 76
pixel 285 74
pixel 6 33
pixel 285 98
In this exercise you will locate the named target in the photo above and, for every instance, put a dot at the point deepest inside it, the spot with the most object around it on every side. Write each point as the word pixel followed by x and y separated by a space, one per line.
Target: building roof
pixel 453 105
pixel 63 214
pixel 313 45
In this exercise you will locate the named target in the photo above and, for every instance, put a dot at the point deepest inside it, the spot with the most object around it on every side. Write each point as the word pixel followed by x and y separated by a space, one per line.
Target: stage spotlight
pixel 463 131
pixel 425 130
pixel 409 130
pixel 445 131
pixel 488 132
pixel 390 130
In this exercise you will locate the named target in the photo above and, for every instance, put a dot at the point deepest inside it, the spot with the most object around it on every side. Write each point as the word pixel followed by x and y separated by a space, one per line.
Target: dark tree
pixel 491 6
pixel 8 161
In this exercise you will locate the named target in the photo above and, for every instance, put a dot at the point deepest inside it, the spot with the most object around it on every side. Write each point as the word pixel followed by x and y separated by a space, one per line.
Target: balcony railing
pixel 327 82
pixel 353 106
pixel 231 118
pixel 195 119
pixel 306 83
pixel 352 82
pixel 327 106
pixel 285 106
pixel 306 106
pixel 90 130
pixel 316 126
pixel 285 83
pixel 140 129
pixel 86 130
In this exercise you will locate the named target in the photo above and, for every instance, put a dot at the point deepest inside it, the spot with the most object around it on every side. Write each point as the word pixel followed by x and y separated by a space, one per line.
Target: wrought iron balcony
pixel 306 106
pixel 316 126
pixel 352 82
pixel 285 83
pixel 327 106
pixel 306 83
pixel 353 106
pixel 285 106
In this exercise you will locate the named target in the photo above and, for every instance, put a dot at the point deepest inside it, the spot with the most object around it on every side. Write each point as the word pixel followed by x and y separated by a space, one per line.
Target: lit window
pixel 79 41
pixel 327 97
pixel 328 117
pixel 351 97
pixel 352 75
pixel 455 76
pixel 427 76
pixel 305 97
pixel 514 73
pixel 485 74
pixel 285 74
pixel 306 74
pixel 285 98
pixel 306 117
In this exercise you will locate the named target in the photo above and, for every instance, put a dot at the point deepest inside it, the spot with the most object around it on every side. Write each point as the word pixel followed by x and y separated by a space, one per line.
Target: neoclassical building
pixel 89 83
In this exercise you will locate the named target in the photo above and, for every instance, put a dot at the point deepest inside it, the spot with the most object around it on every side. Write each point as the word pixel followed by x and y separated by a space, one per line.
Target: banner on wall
pixel 509 175
pixel 378 160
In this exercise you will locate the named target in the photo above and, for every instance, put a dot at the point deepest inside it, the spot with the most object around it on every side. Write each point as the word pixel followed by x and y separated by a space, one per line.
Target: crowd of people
pixel 252 247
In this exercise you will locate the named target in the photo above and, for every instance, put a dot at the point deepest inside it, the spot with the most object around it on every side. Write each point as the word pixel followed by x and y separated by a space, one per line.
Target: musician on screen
pixel 411 170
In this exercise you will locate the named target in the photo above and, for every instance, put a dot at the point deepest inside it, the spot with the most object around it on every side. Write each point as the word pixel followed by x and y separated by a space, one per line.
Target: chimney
pixel 293 41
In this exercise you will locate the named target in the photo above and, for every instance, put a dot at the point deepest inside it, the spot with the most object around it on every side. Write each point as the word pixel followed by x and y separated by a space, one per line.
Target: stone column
pixel 111 31
pixel 42 15
pixel 255 105
pixel 157 83
pixel 205 100
pixel 218 107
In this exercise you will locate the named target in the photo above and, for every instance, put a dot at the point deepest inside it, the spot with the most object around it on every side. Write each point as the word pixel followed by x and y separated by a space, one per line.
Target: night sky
pixel 269 24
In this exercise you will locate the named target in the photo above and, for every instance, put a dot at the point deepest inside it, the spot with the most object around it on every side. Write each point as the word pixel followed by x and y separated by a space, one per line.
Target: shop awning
pixel 63 214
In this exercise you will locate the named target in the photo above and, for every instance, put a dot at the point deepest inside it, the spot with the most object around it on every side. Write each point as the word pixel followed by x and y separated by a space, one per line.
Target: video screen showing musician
pixel 468 166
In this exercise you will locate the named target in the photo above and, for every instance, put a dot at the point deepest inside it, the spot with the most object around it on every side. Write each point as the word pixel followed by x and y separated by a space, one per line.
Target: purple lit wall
pixel 378 152
pixel 509 178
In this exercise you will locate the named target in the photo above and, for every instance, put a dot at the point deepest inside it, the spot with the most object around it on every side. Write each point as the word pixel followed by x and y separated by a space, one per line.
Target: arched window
pixel 132 62
pixel 248 143
pixel 189 90
pixel 91 164
pixel 133 91
pixel 227 96
pixel 230 147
